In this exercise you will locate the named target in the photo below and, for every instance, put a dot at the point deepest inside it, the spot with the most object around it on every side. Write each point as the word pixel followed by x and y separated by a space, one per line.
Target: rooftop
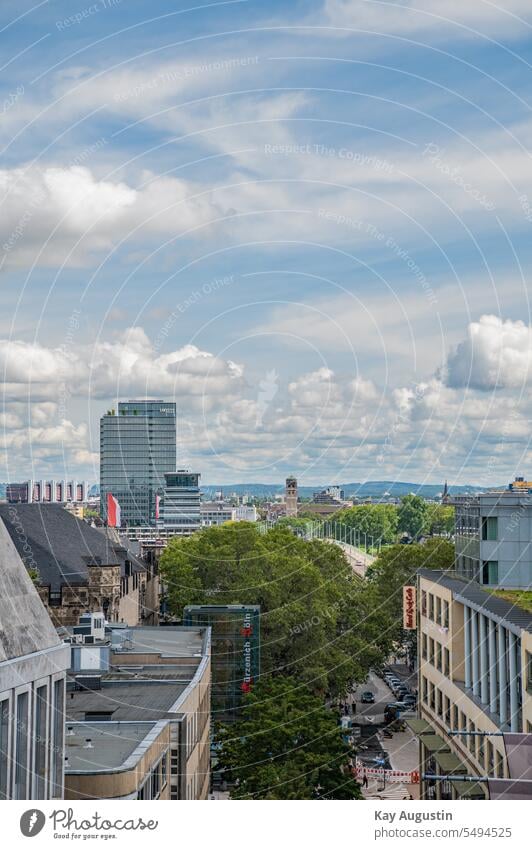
pixel 25 626
pixel 169 641
pixel 498 603
pixel 112 744
pixel 128 701
pixel 60 546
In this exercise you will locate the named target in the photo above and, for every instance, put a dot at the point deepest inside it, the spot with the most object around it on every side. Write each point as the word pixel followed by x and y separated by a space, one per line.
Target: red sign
pixel 409 608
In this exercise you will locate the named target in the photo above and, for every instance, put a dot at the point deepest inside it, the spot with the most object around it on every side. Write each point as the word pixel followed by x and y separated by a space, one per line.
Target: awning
pixel 468 790
pixel 433 743
pixel 419 726
pixel 449 764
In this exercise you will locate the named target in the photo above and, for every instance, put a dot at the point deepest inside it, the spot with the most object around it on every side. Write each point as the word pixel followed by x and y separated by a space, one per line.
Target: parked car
pixel 367 698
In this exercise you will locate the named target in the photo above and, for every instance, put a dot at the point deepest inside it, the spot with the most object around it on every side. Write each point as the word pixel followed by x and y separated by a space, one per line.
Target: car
pixel 411 701
pixel 367 698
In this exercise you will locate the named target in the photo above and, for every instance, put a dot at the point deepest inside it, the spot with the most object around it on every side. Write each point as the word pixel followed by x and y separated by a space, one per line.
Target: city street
pixel 401 748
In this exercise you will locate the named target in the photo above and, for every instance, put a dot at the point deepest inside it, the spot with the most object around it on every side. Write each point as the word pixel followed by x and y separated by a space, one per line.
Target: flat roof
pixel 481 599
pixel 169 641
pixel 128 701
pixel 112 744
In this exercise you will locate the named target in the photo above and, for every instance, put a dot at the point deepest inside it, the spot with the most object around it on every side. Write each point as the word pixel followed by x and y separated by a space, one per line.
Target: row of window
pixel 156 780
pixel 31 735
pixel 490 759
pixel 437 655
pixel 435 608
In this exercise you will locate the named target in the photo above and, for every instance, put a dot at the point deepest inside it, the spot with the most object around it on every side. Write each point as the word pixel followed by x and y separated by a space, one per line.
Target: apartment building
pixel 475 676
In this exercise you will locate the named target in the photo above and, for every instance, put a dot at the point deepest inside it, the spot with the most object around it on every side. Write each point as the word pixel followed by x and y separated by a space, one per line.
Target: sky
pixel 308 224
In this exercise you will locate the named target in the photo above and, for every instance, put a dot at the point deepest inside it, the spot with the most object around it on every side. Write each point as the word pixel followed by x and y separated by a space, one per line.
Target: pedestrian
pixel 364 779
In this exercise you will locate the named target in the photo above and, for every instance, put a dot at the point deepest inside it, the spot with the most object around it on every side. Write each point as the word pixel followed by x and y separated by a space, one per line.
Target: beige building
pixel 141 696
pixel 475 675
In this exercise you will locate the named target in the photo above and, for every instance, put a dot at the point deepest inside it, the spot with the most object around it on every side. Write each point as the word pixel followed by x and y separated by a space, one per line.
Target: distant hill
pixel 368 489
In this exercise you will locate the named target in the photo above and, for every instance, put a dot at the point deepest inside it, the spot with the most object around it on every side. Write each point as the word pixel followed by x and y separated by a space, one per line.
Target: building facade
pixel 180 510
pixel 33 664
pixel 47 492
pixel 139 699
pixel 493 533
pixel 475 676
pixel 290 496
pixel 137 448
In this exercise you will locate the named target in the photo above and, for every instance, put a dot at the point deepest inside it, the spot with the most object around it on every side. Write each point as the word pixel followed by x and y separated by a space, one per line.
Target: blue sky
pixel 310 226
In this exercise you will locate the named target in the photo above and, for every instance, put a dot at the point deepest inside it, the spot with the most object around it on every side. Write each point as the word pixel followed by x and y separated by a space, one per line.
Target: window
pixel 424 689
pixel 455 725
pixel 446 663
pixel 431 651
pixel 445 622
pixel 41 704
pixel 490 572
pixel 423 603
pixel 491 759
pixel 431 606
pixel 21 752
pixel 58 722
pixel 439 703
pixel 472 738
pixel 438 656
pixel 4 747
pixel 438 610
pixel 424 646
pixel 489 528
pixel 500 765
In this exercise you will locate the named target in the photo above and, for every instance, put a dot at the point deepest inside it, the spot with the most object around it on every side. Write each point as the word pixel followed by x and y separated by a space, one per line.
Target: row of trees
pixel 386 522
pixel 322 629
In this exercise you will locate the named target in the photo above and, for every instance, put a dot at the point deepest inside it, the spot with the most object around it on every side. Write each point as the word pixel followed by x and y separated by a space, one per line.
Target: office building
pixel 330 495
pixel 47 492
pixel 78 567
pixel 138 712
pixel 33 664
pixel 290 497
pixel 475 675
pixel 180 511
pixel 137 449
pixel 493 533
pixel 235 652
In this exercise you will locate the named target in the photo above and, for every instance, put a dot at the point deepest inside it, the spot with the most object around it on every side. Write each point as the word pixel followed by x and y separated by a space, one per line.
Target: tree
pixel 286 746
pixel 412 515
pixel 378 521
pixel 440 519
pixel 307 592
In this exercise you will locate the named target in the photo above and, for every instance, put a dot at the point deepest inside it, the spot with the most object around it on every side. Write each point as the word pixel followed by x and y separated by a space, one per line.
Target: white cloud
pixel 439 18
pixel 496 354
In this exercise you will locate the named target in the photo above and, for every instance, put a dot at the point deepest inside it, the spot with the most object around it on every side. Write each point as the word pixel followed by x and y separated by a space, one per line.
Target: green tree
pixel 378 521
pixel 306 589
pixel 412 515
pixel 286 746
pixel 440 519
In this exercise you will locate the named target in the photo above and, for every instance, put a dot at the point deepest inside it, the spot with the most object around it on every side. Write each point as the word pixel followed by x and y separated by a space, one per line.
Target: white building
pixel 33 664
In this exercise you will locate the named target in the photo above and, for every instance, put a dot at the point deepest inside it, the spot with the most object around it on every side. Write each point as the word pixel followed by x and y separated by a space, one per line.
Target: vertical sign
pixel 409 608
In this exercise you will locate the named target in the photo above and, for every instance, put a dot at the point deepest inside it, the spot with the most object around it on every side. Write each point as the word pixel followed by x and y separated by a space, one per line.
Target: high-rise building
pixel 180 510
pixel 137 448
pixel 291 496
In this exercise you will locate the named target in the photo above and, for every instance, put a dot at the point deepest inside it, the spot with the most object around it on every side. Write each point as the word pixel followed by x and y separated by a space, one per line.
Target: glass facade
pixel 181 507
pixel 235 652
pixel 137 448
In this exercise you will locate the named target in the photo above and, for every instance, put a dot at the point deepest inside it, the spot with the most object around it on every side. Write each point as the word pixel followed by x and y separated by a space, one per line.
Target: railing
pixel 335 531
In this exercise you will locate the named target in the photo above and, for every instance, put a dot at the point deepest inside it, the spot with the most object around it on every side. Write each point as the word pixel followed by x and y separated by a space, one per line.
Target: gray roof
pixel 61 546
pixel 169 641
pixel 481 599
pixel 25 626
pixel 126 701
pixel 112 744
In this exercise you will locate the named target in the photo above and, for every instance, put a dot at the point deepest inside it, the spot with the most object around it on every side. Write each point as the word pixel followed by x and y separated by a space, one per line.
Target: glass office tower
pixel 180 510
pixel 137 448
